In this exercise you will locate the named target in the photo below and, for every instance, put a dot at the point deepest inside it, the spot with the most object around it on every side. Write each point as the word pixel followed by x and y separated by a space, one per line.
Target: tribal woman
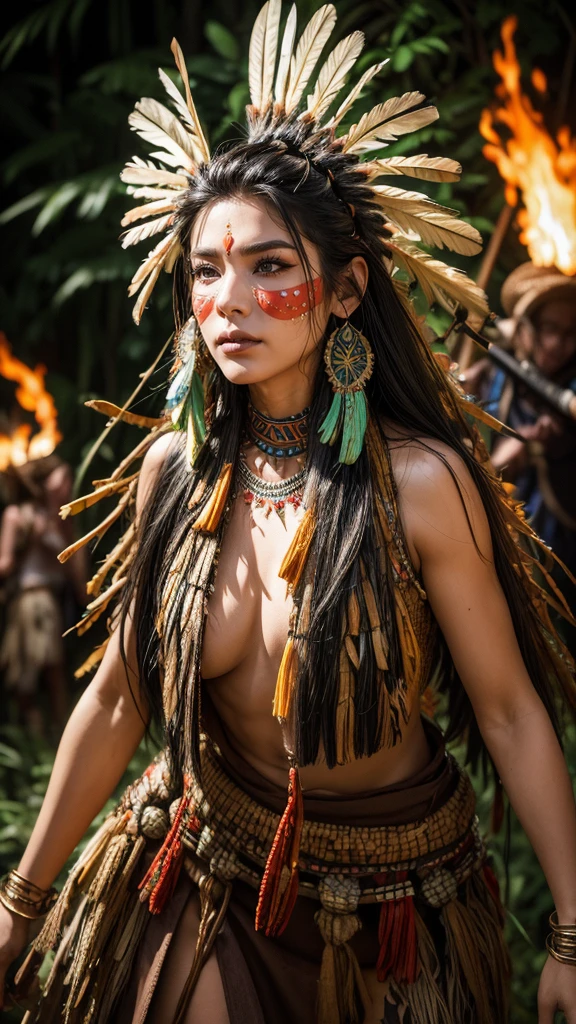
pixel 319 543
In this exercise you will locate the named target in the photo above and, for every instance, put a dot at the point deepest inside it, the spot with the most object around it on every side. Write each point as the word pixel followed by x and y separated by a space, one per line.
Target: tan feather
pixel 146 192
pixel 157 255
pixel 440 283
pixel 160 127
pixel 420 218
pixel 124 544
pixel 80 504
pixel 181 65
pixel 310 46
pixel 286 51
pixel 262 55
pixel 137 174
pixel 386 121
pixel 427 168
pixel 172 160
pixel 142 231
pixel 354 94
pixel 333 74
pixel 145 294
pixel 149 210
pixel 185 115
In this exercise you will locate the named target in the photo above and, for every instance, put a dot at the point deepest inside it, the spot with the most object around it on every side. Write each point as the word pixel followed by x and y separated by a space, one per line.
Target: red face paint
pixel 228 240
pixel 289 303
pixel 202 306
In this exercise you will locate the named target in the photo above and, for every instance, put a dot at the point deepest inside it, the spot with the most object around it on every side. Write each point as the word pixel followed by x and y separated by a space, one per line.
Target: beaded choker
pixel 282 438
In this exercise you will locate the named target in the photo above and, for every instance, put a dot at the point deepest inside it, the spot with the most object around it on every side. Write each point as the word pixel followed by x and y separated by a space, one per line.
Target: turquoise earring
pixel 349 363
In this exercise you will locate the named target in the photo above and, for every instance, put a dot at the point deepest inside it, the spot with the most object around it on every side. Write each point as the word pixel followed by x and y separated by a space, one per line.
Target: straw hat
pixel 528 287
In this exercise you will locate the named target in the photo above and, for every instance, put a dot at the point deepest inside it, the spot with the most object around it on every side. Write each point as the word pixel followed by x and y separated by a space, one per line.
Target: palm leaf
pixel 427 168
pixel 310 46
pixel 333 73
pixel 262 55
pixel 354 93
pixel 386 121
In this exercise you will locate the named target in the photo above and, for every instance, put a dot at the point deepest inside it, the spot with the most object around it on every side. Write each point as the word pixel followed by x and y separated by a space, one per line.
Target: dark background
pixel 72 70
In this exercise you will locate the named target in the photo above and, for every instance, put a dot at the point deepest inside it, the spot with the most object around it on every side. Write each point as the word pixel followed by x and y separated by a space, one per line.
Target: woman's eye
pixel 205 271
pixel 271 266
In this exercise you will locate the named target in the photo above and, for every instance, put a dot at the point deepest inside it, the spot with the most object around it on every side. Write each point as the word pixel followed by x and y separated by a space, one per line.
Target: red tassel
pixel 397 936
pixel 160 880
pixel 279 888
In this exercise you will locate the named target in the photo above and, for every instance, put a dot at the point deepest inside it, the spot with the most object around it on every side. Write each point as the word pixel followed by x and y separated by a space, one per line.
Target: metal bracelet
pixel 563 958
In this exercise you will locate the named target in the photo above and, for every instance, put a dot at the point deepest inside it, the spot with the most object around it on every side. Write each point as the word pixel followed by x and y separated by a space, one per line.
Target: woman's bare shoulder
pixel 153 462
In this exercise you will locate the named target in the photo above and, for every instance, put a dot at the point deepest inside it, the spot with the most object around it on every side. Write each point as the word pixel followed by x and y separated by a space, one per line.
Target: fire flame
pixel 543 169
pixel 22 446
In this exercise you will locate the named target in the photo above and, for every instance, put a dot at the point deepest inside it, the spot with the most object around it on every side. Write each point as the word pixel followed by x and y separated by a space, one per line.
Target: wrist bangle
pixel 24 898
pixel 561 942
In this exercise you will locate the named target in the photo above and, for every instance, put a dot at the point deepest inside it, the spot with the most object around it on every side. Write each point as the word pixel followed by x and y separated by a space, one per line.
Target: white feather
pixel 142 231
pixel 427 168
pixel 310 46
pixel 439 282
pixel 386 121
pixel 354 93
pixel 181 65
pixel 149 210
pixel 262 55
pixel 333 73
pixel 285 58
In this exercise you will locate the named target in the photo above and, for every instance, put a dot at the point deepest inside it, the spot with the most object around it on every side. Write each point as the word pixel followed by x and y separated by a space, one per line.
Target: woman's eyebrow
pixel 246 250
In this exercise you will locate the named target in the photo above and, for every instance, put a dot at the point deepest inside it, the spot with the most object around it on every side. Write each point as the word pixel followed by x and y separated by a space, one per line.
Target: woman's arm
pixel 8 539
pixel 473 614
pixel 98 743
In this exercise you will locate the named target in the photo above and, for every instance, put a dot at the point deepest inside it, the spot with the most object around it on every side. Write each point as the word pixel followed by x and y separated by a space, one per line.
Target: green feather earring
pixel 185 398
pixel 349 363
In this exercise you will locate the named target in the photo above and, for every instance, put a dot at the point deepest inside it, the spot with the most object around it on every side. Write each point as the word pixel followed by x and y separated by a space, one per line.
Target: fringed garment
pixel 396 880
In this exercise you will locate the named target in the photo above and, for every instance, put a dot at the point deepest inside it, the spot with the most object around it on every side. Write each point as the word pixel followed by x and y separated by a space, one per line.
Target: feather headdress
pixel 298 90
pixel 281 69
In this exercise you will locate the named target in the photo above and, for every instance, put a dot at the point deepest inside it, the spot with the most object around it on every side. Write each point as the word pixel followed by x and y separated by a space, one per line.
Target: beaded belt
pixel 234 833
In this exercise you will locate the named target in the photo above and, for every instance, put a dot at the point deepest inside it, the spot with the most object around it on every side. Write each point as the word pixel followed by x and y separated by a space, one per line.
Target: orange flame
pixel 543 169
pixel 22 446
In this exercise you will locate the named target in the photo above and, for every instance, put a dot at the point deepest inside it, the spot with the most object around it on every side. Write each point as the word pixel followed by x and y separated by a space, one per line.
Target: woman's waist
pixel 237 812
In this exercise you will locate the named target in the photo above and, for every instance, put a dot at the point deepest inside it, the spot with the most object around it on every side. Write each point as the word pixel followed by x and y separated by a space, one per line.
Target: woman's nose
pixel 234 295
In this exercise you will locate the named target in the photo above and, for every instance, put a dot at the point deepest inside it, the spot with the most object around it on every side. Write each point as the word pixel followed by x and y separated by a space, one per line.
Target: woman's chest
pixel 249 610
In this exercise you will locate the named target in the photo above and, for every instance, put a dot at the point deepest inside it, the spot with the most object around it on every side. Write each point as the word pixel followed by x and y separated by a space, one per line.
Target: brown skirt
pixel 276 980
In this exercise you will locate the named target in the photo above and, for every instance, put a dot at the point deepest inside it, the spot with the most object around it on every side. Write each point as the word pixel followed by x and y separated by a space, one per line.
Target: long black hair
pixel 318 193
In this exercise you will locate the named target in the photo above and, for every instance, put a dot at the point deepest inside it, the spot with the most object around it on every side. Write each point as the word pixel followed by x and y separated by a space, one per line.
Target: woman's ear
pixel 354 282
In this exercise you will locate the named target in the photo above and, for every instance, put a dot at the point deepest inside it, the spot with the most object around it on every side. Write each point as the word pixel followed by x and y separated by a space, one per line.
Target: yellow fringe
pixel 210 516
pixel 92 660
pixel 88 500
pixel 295 558
pixel 285 681
pixel 115 412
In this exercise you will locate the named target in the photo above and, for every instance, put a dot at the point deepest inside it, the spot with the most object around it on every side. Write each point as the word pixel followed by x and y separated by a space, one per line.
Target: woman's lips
pixel 234 346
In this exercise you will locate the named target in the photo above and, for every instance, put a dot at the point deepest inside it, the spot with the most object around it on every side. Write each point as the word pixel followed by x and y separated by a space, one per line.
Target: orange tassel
pixel 159 881
pixel 397 936
pixel 279 888
pixel 285 681
pixel 210 516
pixel 295 558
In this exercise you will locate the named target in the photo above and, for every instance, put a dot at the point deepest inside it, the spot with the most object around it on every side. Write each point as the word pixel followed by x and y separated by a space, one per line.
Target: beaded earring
pixel 349 363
